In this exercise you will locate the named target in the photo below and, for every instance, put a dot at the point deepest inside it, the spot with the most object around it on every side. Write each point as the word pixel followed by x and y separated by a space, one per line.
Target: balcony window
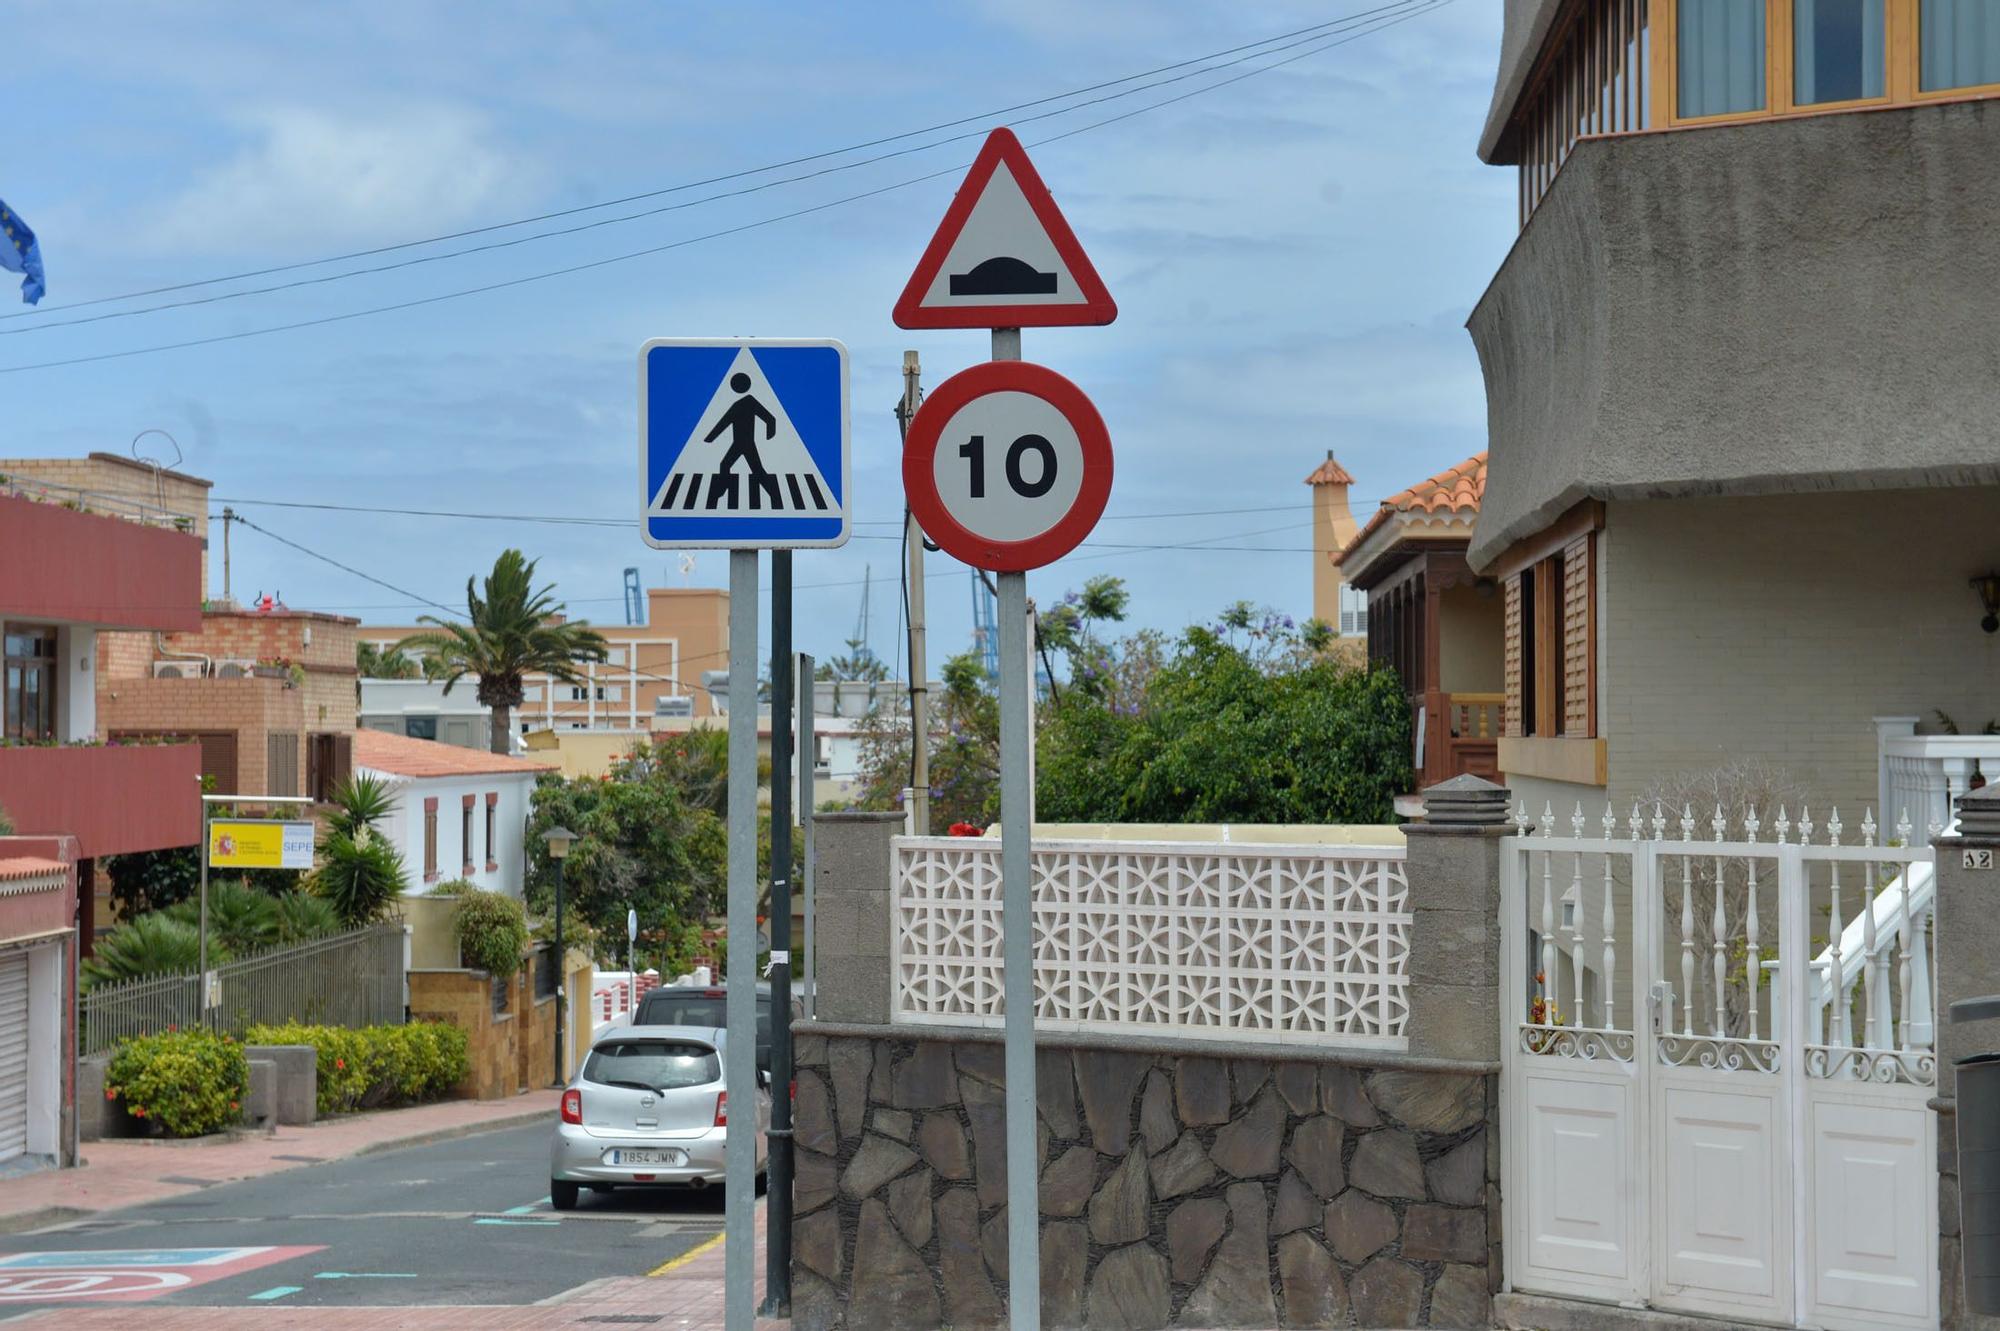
pixel 1720 57
pixel 1959 44
pixel 1838 49
pixel 31 683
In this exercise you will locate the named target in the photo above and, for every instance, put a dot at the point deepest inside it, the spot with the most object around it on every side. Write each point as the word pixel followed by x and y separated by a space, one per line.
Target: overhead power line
pixel 1426 6
pixel 741 174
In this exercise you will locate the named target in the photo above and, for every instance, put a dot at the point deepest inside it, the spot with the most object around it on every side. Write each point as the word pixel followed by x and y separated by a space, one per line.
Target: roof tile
pixel 403 756
pixel 1454 490
pixel 1329 472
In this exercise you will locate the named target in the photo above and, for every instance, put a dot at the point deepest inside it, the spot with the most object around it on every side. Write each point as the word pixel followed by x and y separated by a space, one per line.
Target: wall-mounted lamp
pixel 1988 587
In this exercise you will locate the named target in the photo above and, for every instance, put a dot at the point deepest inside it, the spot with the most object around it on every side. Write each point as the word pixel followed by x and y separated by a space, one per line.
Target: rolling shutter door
pixel 13 1054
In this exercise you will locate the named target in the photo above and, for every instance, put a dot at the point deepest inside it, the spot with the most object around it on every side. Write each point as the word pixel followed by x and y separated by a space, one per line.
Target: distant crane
pixel 985 625
pixel 635 603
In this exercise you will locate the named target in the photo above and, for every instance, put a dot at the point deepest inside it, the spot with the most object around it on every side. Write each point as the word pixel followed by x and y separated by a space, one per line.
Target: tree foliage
pixel 1251 719
pixel 511 631
pixel 360 873
pixel 641 845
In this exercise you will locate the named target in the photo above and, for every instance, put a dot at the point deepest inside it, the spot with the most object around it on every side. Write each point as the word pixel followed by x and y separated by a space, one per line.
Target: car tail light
pixel 722 1109
pixel 572 1107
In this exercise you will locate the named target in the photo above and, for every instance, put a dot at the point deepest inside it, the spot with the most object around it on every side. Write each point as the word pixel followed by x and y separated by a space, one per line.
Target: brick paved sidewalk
pixel 119 1173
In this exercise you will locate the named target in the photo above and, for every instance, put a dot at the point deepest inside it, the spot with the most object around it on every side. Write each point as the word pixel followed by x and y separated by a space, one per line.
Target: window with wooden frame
pixel 1621 66
pixel 492 813
pixel 430 840
pixel 1550 653
pixel 465 833
pixel 31 674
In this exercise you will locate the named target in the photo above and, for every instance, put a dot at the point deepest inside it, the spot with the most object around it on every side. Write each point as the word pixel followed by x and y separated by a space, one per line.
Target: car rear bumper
pixel 577 1157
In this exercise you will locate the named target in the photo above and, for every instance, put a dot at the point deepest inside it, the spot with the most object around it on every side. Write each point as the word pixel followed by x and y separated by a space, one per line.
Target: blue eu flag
pixel 20 254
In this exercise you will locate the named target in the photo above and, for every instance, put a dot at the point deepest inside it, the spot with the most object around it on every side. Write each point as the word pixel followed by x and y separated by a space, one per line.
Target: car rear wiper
pixel 629 1085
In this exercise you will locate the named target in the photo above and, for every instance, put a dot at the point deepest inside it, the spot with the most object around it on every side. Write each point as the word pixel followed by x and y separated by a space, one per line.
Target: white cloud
pixel 310 178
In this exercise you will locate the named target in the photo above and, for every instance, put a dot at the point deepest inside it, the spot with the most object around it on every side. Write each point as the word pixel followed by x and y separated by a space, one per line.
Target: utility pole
pixel 778 1196
pixel 228 516
pixel 913 538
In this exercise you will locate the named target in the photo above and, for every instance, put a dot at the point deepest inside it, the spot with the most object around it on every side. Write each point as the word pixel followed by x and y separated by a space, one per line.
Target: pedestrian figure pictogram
pixel 744 443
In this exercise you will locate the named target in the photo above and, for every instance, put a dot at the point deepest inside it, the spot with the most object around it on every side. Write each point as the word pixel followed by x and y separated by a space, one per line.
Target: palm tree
pixel 375 663
pixel 513 631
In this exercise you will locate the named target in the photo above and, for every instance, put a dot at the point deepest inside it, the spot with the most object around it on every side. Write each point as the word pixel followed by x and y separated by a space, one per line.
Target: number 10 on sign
pixel 1007 466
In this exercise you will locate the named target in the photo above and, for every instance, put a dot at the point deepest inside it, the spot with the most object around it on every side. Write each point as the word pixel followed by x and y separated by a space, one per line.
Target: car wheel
pixel 562 1195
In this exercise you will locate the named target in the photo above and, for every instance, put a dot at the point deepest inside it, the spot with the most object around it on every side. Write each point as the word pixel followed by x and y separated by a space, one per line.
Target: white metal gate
pixel 13 1054
pixel 1718 1059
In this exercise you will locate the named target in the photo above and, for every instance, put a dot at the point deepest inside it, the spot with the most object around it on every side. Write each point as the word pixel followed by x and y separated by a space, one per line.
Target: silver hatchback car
pixel 648 1109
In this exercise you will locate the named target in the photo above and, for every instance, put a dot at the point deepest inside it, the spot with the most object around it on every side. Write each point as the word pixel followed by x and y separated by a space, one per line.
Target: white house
pixel 457 812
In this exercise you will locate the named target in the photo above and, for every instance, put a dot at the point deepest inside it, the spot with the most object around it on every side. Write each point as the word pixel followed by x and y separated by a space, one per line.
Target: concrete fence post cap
pixel 1466 801
pixel 1979 814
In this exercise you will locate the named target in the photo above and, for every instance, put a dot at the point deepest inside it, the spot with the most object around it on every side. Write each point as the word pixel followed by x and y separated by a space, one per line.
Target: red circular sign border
pixel 920 452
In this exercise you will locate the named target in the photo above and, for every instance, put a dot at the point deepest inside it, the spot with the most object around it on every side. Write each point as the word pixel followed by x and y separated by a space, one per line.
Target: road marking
pixel 685 1257
pixel 489 1220
pixel 365 1275
pixel 277 1292
pixel 523 1210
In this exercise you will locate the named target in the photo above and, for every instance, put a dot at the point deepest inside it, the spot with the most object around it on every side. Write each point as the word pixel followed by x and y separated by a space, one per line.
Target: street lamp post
pixel 558 839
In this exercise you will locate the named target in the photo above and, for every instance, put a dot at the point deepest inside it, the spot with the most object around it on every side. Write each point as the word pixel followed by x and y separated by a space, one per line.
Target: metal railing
pixel 19 485
pixel 346 979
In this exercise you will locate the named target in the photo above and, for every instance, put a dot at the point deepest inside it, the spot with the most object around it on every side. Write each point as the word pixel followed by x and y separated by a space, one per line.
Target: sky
pixel 1293 254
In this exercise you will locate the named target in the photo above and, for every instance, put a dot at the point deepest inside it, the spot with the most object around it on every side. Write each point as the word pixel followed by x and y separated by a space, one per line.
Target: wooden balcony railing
pixel 1462 735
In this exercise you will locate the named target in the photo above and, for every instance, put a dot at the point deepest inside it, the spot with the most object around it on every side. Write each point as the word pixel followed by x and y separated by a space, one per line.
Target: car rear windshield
pixel 699 1010
pixel 654 1063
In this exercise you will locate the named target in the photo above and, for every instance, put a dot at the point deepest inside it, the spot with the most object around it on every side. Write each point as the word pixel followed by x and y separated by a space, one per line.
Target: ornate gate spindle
pixel 1753 969
pixel 1903 930
pixel 1838 1023
pixel 1610 927
pixel 1871 961
pixel 1718 928
pixel 1687 921
pixel 1546 977
pixel 1576 918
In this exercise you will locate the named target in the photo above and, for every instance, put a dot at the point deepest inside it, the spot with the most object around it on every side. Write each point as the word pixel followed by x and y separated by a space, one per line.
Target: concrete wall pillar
pixel 854 870
pixel 1454 873
pixel 1966 943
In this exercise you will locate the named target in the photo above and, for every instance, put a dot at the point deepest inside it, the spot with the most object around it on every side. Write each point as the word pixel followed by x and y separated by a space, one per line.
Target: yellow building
pixel 1344 609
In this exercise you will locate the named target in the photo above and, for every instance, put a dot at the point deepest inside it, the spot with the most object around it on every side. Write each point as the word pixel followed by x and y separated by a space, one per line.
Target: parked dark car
pixel 705 1005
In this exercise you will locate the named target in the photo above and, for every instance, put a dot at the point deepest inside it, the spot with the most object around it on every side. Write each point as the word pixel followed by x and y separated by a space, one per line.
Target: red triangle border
pixel 1097 306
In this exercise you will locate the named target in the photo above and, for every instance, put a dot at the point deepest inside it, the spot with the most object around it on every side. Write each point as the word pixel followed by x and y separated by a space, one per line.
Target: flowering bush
pixel 966 829
pixel 376 1065
pixel 188 1082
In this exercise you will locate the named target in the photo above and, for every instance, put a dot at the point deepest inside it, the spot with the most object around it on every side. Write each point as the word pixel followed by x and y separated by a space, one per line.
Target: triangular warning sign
pixel 1003 257
pixel 744 457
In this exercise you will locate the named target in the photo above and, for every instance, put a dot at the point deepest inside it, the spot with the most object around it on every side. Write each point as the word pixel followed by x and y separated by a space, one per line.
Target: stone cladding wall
pixel 1261 1190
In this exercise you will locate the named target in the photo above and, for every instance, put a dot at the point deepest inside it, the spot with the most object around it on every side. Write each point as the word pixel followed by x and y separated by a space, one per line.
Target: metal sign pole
pixel 778 1190
pixel 809 748
pixel 201 944
pixel 1024 1255
pixel 740 1007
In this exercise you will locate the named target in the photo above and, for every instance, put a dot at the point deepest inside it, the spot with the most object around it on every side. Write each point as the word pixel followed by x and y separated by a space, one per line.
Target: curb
pixel 452 1133
pixel 22 1221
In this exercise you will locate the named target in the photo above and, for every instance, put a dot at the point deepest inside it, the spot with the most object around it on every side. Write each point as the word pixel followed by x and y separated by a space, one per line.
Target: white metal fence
pixel 347 979
pixel 1249 942
pixel 1718 1060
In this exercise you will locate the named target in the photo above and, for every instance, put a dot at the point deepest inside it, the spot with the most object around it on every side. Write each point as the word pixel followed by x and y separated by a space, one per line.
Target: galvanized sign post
pixel 743 446
pixel 1007 467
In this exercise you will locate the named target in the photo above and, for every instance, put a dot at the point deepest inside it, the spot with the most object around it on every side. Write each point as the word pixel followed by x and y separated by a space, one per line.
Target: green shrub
pixel 154 944
pixel 189 1082
pixel 376 1065
pixel 241 918
pixel 492 932
pixel 303 916
pixel 360 873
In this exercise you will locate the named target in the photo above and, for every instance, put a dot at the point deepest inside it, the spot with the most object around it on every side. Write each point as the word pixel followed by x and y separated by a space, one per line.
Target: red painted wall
pixel 85 568
pixel 113 800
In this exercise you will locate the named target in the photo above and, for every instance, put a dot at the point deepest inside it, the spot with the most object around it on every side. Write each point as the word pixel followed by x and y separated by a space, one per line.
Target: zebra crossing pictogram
pixel 744 443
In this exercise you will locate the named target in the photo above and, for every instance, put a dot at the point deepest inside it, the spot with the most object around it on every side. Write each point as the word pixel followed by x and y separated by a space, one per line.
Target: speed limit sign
pixel 1007 466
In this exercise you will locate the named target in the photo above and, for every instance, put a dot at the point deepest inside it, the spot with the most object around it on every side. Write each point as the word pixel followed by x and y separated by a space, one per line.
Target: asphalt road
pixel 464 1221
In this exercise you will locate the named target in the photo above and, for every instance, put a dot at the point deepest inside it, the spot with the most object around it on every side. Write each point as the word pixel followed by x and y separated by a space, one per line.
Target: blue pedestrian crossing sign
pixel 743 443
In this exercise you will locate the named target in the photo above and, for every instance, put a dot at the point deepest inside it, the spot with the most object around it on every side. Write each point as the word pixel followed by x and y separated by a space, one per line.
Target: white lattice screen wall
pixel 1248 942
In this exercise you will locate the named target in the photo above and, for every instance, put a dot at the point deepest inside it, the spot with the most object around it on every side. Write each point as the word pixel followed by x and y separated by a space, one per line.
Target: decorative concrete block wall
pixel 1247 1189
